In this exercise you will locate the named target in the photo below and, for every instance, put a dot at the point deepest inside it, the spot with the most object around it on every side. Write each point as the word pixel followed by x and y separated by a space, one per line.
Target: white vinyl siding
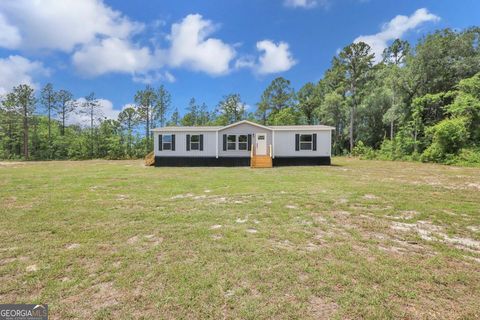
pixel 285 144
pixel 209 145
pixel 241 143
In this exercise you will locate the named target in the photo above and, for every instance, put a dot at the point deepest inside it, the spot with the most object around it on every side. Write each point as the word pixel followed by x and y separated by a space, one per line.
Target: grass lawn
pixel 360 239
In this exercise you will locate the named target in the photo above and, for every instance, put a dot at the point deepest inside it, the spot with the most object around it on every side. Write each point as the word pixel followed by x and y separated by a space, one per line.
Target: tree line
pixel 417 102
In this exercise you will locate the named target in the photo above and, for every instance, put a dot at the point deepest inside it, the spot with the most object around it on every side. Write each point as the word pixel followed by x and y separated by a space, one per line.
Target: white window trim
pixel 191 142
pixel 237 142
pixel 244 142
pixel 309 142
pixel 232 142
pixel 168 143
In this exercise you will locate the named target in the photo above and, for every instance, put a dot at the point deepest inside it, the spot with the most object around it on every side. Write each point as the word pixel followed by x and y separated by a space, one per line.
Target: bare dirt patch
pixel 7 261
pixel 429 232
pixel 406 215
pixel 72 246
pixel 241 220
pixel 182 196
pixel 11 164
pixel 103 295
pixel 133 240
pixel 122 197
pixel 474 228
pixel 322 309
pixel 32 268
pixel 153 239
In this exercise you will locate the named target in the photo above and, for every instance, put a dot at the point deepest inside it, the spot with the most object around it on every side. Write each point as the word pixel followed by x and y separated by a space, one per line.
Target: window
pixel 167 142
pixel 231 142
pixel 236 142
pixel 195 142
pixel 306 142
pixel 243 142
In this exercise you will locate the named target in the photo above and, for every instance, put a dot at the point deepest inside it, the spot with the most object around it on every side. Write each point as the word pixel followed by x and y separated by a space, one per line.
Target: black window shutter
pixel 201 142
pixel 173 142
pixel 188 142
pixel 314 142
pixel 160 146
pixel 224 142
pixel 297 142
pixel 249 141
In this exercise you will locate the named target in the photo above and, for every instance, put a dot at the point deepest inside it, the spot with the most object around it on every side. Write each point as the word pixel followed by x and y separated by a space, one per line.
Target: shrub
pixel 363 151
pixel 386 151
pixel 448 137
pixel 468 157
pixel 404 144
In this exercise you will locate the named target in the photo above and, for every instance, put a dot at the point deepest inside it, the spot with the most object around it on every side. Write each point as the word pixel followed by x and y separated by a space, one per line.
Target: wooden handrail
pixel 270 151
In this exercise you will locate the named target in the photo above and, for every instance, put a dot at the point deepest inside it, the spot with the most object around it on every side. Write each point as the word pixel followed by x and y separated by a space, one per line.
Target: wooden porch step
pixel 261 162
pixel 150 159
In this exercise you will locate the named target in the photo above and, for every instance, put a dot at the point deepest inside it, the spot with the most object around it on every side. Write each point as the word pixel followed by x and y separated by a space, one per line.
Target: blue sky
pixel 202 49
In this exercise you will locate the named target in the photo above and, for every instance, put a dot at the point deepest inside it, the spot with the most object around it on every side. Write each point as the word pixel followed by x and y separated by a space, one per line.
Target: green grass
pixel 360 239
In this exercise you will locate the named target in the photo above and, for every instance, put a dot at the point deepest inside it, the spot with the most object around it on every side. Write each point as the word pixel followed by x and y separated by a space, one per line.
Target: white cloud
pixel 112 55
pixel 62 25
pixel 274 57
pixel 101 40
pixel 106 110
pixel 308 4
pixel 16 70
pixel 98 36
pixel 300 3
pixel 394 29
pixel 9 35
pixel 191 47
pixel 154 76
pixel 245 62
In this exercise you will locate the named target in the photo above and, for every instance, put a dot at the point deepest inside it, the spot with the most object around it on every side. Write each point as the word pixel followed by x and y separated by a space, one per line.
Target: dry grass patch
pixel 357 240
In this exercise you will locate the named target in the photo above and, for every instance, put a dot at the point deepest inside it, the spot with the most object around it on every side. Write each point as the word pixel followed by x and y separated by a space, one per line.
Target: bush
pixel 404 144
pixel 434 153
pixel 363 151
pixel 386 151
pixel 468 157
pixel 448 136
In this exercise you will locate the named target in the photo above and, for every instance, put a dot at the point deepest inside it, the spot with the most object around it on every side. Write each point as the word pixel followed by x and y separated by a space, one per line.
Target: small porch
pixel 262 160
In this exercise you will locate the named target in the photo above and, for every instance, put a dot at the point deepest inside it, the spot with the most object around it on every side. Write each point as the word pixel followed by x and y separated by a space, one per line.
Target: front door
pixel 261 139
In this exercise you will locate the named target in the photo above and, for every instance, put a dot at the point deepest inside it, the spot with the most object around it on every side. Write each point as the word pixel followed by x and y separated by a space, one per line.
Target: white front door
pixel 261 145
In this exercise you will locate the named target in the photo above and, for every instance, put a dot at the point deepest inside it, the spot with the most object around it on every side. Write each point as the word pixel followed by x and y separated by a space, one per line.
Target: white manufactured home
pixel 243 144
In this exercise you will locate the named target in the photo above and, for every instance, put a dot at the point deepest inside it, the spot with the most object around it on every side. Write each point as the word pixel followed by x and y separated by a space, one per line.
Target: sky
pixel 202 49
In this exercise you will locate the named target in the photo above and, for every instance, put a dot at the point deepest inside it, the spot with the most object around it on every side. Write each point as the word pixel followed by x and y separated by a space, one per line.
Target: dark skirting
pixel 301 161
pixel 202 162
pixel 236 161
